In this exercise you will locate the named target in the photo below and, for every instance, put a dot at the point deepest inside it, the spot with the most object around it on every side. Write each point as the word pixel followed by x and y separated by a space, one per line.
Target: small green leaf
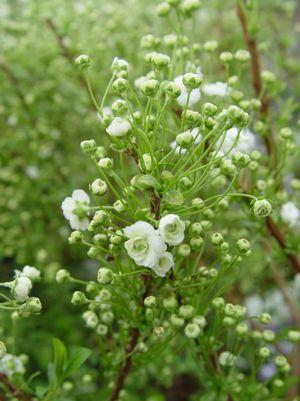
pixel 60 358
pixel 78 358
pixel 145 181
pixel 174 197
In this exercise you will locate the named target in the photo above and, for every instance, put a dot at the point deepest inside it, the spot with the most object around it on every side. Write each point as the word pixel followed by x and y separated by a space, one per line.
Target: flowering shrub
pixel 188 202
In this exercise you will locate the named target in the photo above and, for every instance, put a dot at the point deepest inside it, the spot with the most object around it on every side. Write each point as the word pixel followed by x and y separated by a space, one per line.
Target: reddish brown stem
pixel 135 334
pixel 13 390
pixel 278 235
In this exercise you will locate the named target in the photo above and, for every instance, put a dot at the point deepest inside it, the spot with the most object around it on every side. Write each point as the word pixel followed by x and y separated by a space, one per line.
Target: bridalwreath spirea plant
pixel 184 146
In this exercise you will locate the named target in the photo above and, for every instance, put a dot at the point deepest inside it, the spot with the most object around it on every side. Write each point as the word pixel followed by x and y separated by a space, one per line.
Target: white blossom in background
pixel 32 172
pixel 31 272
pixel 254 304
pixel 290 213
pixel 195 94
pixel 215 89
pixel 144 245
pixel 11 364
pixel 198 138
pixel 118 127
pixel 171 229
pixel 74 209
pixel 140 81
pixel 164 264
pixel 246 142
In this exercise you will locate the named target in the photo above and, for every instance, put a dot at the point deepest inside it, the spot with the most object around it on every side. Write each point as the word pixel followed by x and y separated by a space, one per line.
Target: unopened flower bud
pixel 264 352
pixel 106 163
pixel 294 335
pixel 262 208
pixel 2 350
pixel 99 187
pixel 186 311
pixel 62 276
pixel 242 56
pixel 217 239
pixel 185 139
pixel 120 85
pixel 105 276
pixel 173 90
pixel 191 81
pixel 268 77
pixel 265 318
pixel 226 57
pixel 79 298
pixel 150 87
pixel 209 109
pixel 163 9
pixel 150 302
pixel 192 330
pixel 83 62
pixel 176 321
pixel 243 245
pixel 88 146
pixel 184 250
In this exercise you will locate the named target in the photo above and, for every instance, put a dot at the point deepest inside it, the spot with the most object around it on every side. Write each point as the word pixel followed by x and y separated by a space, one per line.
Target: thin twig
pixel 13 390
pixel 272 227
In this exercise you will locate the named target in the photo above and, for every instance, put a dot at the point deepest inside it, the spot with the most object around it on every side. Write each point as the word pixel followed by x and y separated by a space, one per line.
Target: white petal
pixel 81 196
pixel 68 205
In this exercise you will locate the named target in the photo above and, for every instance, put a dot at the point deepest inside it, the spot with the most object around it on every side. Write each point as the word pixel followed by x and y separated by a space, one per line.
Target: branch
pixel 272 227
pixel 65 51
pixel 13 390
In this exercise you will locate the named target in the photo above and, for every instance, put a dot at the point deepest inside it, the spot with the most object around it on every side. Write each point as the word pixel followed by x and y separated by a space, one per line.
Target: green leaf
pixel 60 359
pixel 78 358
pixel 174 197
pixel 145 181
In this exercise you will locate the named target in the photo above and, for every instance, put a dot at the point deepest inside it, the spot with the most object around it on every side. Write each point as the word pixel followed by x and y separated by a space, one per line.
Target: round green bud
pixel 33 305
pixel 265 318
pixel 163 9
pixel 210 46
pixel 99 187
pixel 192 330
pixel 196 243
pixel 240 159
pixel 189 6
pixel 88 146
pixel 150 87
pixel 62 276
pixel 228 167
pixel 226 57
pixel 286 133
pixel 217 239
pixel 242 329
pixel 243 245
pixel 262 208
pixel 173 90
pixel 191 81
pixel 264 353
pixel 228 321
pixel 268 77
pixel 294 335
pixel 200 321
pixel 150 302
pixel 79 298
pixel 160 60
pixel 120 85
pixel 268 335
pixel 186 311
pixel 209 109
pixel 170 303
pixel 75 237
pixel 83 62
pixel 196 228
pixel 185 182
pixel 119 107
pixel 242 56
pixel 185 139
pixel 280 361
pixel 176 321
pixel 198 203
pixel 106 163
pixel 218 303
pixel 105 276
pixel 184 250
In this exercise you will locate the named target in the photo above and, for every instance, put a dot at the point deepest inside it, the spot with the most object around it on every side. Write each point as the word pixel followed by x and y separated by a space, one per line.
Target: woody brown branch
pixel 272 227
pixel 12 389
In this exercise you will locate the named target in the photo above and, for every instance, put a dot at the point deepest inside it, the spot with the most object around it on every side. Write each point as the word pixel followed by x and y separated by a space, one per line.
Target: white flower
pixel 215 89
pixel 195 94
pixel 290 213
pixel 227 359
pixel 74 209
pixel 11 364
pixel 118 127
pixel 21 288
pixel 197 139
pixel 164 264
pixel 31 272
pixel 145 245
pixel 171 229
pixel 245 144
